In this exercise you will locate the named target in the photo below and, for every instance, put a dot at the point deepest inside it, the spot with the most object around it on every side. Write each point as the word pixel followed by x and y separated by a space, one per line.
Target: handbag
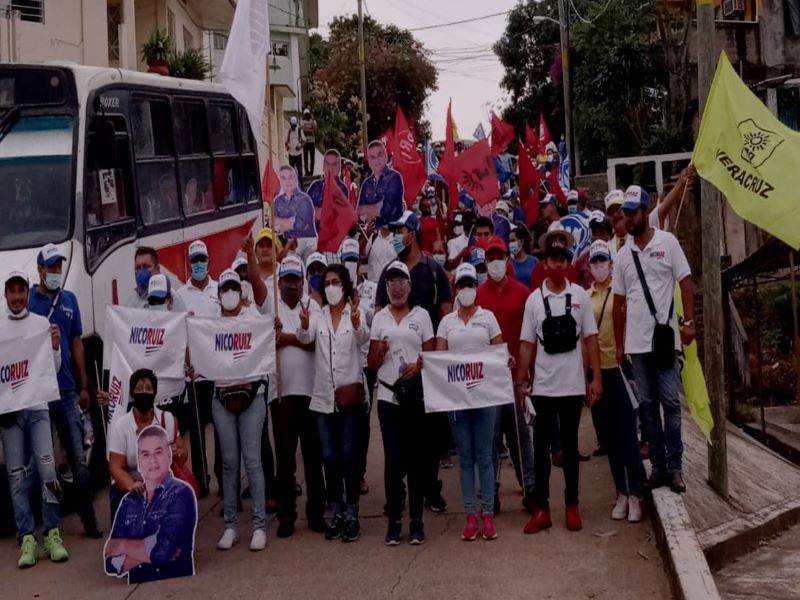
pixel 237 398
pixel 663 334
pixel 407 392
pixel 349 396
pixel 559 334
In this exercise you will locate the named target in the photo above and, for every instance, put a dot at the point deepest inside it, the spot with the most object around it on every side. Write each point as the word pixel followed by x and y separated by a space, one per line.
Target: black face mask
pixel 143 402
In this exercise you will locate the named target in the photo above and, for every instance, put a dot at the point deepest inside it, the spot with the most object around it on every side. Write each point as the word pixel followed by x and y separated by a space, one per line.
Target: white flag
pixel 147 339
pixel 459 380
pixel 244 66
pixel 119 376
pixel 232 349
pixel 27 372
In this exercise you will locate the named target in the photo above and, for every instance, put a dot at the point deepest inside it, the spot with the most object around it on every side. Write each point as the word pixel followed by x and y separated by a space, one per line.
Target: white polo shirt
pixel 558 375
pixel 664 264
pixel 297 366
pixel 201 303
pixel 405 343
pixel 380 254
pixel 475 334
pixel 456 246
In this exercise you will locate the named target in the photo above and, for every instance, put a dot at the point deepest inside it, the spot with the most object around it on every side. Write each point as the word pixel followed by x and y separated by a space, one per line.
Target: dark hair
pixel 524 236
pixel 155 431
pixel 140 374
pixel 344 275
pixel 484 222
pixel 147 251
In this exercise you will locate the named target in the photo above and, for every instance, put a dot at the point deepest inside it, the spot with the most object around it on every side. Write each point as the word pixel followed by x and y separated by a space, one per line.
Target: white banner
pixel 147 339
pixel 460 380
pixel 232 348
pixel 119 376
pixel 27 372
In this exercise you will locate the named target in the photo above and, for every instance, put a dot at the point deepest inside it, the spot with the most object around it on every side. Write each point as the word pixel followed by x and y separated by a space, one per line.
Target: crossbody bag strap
pixel 546 303
pixel 603 309
pixel 568 305
pixel 645 289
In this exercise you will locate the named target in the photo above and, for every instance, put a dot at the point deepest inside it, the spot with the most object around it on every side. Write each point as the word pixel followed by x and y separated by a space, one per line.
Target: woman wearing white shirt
pixel 400 333
pixel 471 328
pixel 340 331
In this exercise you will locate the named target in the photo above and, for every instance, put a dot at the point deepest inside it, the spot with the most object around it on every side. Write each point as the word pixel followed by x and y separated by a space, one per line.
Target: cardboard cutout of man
pixel 381 196
pixel 331 165
pixel 293 211
pixel 153 533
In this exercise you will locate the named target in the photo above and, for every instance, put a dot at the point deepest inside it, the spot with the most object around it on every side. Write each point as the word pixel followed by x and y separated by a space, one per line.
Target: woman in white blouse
pixel 340 331
pixel 472 328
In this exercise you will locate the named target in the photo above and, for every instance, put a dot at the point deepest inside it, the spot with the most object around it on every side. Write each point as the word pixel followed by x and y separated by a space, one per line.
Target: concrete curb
pixel 690 575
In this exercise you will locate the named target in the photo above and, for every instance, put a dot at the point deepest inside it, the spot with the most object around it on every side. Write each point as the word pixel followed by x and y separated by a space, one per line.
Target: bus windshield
pixel 36 198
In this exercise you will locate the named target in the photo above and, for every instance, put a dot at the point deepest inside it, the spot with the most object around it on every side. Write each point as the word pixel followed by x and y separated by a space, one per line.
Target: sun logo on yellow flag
pixel 758 144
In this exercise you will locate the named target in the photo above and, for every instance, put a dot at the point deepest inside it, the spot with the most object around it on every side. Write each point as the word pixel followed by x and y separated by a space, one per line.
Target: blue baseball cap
pixel 49 255
pixel 291 265
pixel 635 198
pixel 409 220
pixel 477 257
pixel 158 286
pixel 549 199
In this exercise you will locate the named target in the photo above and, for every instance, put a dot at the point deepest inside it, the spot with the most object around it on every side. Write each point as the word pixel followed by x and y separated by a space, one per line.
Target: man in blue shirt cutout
pixel 293 210
pixel 153 534
pixel 331 165
pixel 381 196
pixel 61 308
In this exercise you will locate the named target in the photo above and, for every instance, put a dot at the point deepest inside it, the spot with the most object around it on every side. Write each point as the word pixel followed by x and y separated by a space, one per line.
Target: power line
pixel 439 25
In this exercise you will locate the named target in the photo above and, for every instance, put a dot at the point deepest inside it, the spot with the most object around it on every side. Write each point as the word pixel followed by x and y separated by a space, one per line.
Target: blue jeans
pixel 342 436
pixel 511 421
pixel 616 416
pixel 659 389
pixel 65 414
pixel 473 430
pixel 240 439
pixel 31 435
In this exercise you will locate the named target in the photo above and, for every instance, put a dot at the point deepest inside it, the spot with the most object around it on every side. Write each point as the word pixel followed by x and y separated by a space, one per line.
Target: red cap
pixel 497 243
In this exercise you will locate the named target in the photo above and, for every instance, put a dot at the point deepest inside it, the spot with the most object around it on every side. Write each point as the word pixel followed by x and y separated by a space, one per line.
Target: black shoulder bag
pixel 559 334
pixel 663 334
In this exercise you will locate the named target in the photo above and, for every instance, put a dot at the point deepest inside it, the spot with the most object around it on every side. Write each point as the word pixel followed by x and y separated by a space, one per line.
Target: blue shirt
pixel 523 269
pixel 299 207
pixel 67 315
pixel 387 189
pixel 317 191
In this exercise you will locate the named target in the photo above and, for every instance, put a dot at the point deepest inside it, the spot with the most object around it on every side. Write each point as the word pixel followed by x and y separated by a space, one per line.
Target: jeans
pixel 309 151
pixel 511 421
pixel 65 415
pixel 473 430
pixel 407 454
pixel 31 435
pixel 342 437
pixel 240 439
pixel 201 395
pixel 617 417
pixel 567 410
pixel 658 389
pixel 292 421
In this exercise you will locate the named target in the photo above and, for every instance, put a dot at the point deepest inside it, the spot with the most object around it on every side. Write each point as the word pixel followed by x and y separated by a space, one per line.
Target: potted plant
pixel 155 52
pixel 189 64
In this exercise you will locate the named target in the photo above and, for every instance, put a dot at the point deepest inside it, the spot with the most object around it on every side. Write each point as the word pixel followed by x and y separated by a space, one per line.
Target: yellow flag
pixel 750 156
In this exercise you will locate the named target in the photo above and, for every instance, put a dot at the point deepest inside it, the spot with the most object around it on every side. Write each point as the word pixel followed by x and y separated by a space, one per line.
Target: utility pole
pixel 363 68
pixel 711 217
pixel 563 21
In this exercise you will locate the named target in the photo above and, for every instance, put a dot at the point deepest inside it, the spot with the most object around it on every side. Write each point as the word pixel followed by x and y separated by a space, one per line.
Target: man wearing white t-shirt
pixel 457 247
pixel 641 311
pixel 380 252
pixel 558 323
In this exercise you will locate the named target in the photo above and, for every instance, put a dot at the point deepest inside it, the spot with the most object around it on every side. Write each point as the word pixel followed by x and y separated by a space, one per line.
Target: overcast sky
pixel 469 72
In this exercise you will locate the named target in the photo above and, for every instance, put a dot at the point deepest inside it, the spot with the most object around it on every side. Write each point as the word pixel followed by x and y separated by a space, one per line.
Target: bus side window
pixel 249 187
pixel 227 161
pixel 194 160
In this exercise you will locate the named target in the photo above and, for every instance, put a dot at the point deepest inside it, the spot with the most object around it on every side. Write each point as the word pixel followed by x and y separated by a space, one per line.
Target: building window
pixel 280 49
pixel 219 41
pixel 29 10
pixel 171 26
pixel 188 39
pixel 114 21
pixel 791 16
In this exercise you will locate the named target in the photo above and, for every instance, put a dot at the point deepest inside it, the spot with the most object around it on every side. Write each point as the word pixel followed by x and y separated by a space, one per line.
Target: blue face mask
pixel 398 243
pixel 199 271
pixel 315 281
pixel 142 278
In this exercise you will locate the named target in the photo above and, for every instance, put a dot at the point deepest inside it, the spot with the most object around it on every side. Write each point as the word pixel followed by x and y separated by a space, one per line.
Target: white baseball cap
pixel 397 267
pixel 49 255
pixel 16 274
pixel 291 265
pixel 614 198
pixel 158 287
pixel 240 261
pixel 350 249
pixel 197 248
pixel 573 197
pixel 504 206
pixel 599 249
pixel 316 257
pixel 229 276
pixel 465 270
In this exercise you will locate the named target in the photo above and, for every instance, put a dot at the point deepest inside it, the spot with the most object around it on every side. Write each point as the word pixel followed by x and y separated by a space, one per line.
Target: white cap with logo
pixel 229 276
pixel 465 271
pixel 17 274
pixel 197 248
pixel 158 287
pixel 291 265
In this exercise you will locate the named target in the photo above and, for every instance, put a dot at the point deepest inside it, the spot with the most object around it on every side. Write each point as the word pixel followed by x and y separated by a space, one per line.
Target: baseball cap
pixel 291 265
pixel 465 271
pixel 293 120
pixel 228 277
pixel 496 243
pixel 572 197
pixel 549 199
pixel 458 218
pixel 397 267
pixel 316 257
pixel 240 262
pixel 16 274
pixel 49 255
pixel 503 205
pixel 266 232
pixel 158 287
pixel 614 198
pixel 635 197
pixel 430 192
pixel 599 249
pixel 407 219
pixel 197 248
pixel 477 257
pixel 349 249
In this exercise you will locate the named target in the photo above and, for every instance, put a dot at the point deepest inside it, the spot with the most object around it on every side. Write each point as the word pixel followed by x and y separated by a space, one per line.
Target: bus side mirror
pixel 102 145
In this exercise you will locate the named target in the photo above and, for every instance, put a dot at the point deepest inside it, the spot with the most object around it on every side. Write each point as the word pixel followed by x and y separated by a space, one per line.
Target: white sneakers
pixel 227 540
pixel 634 509
pixel 620 510
pixel 259 540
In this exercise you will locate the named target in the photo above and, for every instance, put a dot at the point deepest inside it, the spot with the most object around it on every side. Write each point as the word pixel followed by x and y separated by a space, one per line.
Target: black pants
pixel 309 151
pixel 292 421
pixel 268 457
pixel 371 377
pixel 407 454
pixel 437 430
pixel 201 394
pixel 296 162
pixel 568 411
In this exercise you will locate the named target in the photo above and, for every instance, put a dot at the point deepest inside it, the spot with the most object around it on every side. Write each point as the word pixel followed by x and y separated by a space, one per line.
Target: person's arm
pixel 671 199
pixel 175 528
pixel 497 340
pixel 377 352
pixel 619 326
pixel 260 291
pixel 595 387
pixel 79 367
pixel 524 370
pixel 55 339
pixel 688 331
pixel 441 344
pixel 118 468
pixel 307 332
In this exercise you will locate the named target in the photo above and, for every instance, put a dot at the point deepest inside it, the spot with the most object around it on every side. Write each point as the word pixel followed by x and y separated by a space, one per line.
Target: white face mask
pixel 20 315
pixel 159 307
pixel 466 296
pixel 497 269
pixel 334 294
pixel 600 270
pixel 230 299
pixel 514 248
pixel 458 229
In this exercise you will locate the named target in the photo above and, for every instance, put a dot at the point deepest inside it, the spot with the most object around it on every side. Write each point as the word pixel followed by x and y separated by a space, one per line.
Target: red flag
pixel 388 140
pixel 555 187
pixel 544 134
pixel 447 164
pixel 502 134
pixel 529 177
pixel 407 160
pixel 476 174
pixel 270 184
pixel 348 181
pixel 531 138
pixel 336 219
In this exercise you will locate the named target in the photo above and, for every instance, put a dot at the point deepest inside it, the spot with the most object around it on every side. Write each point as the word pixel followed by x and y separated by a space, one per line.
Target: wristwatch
pixel 688 323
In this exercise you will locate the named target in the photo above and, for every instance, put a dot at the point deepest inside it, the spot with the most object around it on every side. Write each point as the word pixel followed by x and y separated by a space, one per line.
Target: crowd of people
pixel 583 298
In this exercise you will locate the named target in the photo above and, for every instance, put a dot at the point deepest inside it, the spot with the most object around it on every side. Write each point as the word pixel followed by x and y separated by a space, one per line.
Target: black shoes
pixel 351 531
pixel 318 525
pixel 92 532
pixel 393 533
pixel 436 503
pixel 334 530
pixel 285 529
pixel 676 483
pixel 416 533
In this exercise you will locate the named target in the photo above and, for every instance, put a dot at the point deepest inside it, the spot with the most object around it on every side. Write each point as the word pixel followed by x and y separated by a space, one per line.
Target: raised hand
pixel 355 314
pixel 55 336
pixel 305 315
pixel 248 246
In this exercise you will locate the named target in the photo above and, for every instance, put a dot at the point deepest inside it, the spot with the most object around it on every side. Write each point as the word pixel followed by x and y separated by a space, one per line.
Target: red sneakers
pixel 574 522
pixel 538 521
pixel 470 528
pixel 489 532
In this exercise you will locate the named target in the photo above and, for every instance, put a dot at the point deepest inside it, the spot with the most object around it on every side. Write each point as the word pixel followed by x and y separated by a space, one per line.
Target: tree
pixel 398 71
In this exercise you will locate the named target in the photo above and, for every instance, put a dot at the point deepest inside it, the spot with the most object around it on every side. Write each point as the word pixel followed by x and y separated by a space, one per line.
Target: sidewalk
pixel 607 560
